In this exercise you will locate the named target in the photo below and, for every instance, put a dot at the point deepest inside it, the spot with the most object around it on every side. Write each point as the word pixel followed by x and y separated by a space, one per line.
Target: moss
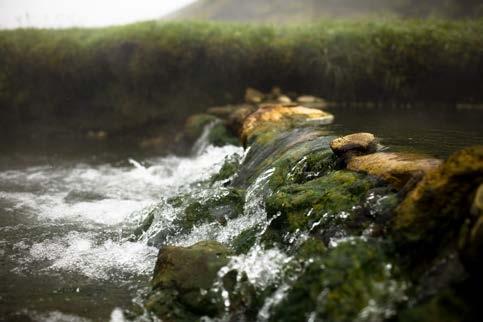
pixel 228 169
pixel 310 248
pixel 432 215
pixel 221 136
pixel 334 193
pixel 228 205
pixel 342 285
pixel 179 277
pixel 245 240
pixel 313 165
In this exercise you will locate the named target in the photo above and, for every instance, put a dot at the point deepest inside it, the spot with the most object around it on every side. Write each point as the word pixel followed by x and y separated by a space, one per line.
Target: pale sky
pixel 82 13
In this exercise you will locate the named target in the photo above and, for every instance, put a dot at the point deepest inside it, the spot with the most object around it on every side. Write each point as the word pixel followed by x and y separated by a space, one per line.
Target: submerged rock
pixel 358 143
pixel 395 168
pixel 182 279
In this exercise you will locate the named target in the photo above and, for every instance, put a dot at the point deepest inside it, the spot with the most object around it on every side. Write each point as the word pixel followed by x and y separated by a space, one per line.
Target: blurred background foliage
pixel 128 77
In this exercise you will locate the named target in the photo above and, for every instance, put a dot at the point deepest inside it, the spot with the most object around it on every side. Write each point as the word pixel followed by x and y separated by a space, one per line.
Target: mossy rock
pixel 432 215
pixel 245 240
pixel 343 284
pixel 181 280
pixel 228 169
pixel 301 204
pixel 229 204
pixel 282 151
pixel 221 136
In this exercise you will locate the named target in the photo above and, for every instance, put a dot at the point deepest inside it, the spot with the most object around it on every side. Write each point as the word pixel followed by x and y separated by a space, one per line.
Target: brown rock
pixel 253 96
pixel 395 168
pixel 281 114
pixel 237 117
pixel 359 143
pixel 283 99
pixel 434 212
pixel 307 99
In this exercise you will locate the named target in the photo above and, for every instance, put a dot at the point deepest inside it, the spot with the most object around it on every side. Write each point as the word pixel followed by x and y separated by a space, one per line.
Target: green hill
pixel 311 10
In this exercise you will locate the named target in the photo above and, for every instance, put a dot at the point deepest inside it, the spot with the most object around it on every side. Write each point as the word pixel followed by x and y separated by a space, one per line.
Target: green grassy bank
pixel 125 77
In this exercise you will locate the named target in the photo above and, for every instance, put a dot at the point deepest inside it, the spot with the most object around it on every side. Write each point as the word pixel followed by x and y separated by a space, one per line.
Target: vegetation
pixel 127 77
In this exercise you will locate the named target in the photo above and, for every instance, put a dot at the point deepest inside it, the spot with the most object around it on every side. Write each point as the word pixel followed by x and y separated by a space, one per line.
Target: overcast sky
pixel 67 13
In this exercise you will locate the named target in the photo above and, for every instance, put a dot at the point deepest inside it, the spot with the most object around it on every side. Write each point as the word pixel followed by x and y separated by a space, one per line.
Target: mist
pixel 86 13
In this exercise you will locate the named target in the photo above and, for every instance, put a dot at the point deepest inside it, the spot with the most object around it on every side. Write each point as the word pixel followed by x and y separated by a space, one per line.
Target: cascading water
pixel 66 232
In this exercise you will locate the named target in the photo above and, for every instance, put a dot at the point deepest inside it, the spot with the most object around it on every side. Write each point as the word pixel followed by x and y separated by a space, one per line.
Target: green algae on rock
pixel 182 278
pixel 434 212
pixel 353 281
pixel 335 193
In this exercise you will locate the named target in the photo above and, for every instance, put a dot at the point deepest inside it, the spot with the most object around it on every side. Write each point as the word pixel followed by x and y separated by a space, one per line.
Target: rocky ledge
pixel 325 228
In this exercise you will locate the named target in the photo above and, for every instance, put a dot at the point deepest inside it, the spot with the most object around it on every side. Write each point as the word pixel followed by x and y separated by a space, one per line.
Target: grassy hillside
pixel 290 11
pixel 148 73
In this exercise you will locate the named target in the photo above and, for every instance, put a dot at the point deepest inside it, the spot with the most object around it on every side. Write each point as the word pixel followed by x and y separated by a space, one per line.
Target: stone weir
pixel 308 226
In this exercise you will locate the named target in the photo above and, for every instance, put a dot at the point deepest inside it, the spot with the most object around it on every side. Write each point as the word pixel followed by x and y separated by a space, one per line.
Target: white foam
pixel 106 198
pixel 82 253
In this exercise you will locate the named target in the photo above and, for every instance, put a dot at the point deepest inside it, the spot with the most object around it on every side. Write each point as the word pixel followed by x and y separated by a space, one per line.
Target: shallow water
pixel 435 130
pixel 66 222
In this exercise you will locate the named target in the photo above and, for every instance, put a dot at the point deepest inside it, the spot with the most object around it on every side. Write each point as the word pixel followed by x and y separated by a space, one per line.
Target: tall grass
pixel 123 77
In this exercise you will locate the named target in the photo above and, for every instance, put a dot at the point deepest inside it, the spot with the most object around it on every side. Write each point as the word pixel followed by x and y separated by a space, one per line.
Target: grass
pixel 125 77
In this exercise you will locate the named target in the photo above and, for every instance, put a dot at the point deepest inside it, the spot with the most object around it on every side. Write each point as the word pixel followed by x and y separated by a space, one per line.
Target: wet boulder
pixel 353 281
pixel 432 215
pixel 395 168
pixel 219 208
pixel 182 280
pixel 357 143
pixel 273 118
pixel 327 201
pixel 237 117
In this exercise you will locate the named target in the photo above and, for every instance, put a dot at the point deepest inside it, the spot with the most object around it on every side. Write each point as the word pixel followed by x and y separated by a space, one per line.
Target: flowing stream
pixel 66 245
